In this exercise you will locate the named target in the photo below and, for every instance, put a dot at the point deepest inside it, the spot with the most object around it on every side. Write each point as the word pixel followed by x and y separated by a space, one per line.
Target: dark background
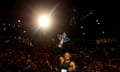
pixel 107 12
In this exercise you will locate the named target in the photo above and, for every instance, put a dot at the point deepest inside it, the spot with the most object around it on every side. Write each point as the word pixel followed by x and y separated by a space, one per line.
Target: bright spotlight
pixel 44 21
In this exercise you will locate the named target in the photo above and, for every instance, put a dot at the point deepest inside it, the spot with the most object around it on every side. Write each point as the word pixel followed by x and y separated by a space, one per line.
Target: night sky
pixel 72 16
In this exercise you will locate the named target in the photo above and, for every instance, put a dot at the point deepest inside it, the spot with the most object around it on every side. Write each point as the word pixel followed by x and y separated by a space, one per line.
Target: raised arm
pixel 61 59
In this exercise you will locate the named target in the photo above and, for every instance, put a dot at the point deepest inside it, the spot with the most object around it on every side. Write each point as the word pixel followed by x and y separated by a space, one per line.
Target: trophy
pixel 63 38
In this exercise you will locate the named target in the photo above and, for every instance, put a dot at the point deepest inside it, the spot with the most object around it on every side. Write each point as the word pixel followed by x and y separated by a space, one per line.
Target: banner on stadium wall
pixel 105 40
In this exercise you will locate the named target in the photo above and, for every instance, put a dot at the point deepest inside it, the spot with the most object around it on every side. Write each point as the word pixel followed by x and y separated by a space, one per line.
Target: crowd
pixel 18 57
pixel 93 60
